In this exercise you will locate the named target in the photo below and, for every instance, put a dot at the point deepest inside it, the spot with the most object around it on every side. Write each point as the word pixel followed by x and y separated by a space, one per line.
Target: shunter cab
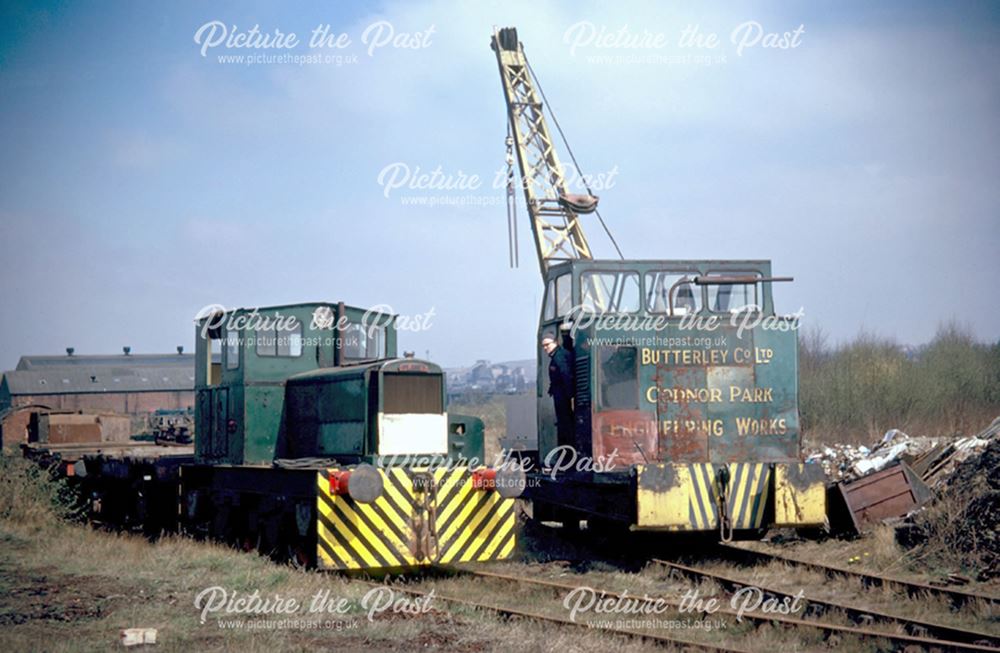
pixel 314 438
pixel 288 382
pixel 240 403
pixel 686 398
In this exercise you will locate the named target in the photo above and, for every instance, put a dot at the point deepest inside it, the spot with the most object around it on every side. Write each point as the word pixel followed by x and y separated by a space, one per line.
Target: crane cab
pixel 661 341
pixel 682 369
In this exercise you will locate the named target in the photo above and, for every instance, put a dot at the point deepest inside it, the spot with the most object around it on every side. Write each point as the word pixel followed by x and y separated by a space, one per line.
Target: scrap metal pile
pixel 933 459
pixel 896 476
pixel 963 524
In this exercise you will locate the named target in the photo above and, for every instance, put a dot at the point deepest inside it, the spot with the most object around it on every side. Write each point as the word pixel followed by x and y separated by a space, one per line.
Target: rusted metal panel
pixel 799 495
pixel 14 423
pixel 892 492
pixel 684 424
pixel 625 437
pixel 664 495
pixel 60 428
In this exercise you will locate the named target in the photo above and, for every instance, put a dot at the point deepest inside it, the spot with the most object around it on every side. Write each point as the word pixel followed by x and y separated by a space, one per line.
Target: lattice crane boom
pixel 554 212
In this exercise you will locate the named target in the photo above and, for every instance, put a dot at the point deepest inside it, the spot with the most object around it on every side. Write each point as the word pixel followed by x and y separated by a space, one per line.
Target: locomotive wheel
pixel 223 526
pixel 298 557
pixel 299 551
pixel 249 542
pixel 269 538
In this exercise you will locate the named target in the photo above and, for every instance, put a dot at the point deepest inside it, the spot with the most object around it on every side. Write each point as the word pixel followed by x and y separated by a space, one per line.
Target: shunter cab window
pixel 411 393
pixel 214 369
pixel 733 298
pixel 284 342
pixel 618 377
pixel 360 343
pixel 610 292
pixel 558 297
pixel 660 286
pixel 232 349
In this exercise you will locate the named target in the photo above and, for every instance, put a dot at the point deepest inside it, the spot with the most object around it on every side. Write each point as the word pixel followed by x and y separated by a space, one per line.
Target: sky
pixel 146 171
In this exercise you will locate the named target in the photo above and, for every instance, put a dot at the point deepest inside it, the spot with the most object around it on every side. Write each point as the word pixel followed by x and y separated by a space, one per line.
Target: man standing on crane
pixel 561 388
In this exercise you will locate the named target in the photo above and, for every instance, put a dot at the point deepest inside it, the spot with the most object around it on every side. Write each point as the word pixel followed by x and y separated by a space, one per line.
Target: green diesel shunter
pixel 316 442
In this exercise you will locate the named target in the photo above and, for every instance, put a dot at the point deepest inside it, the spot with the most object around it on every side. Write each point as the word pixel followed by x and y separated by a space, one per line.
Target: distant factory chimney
pixel 180 349
pixel 126 350
pixel 69 351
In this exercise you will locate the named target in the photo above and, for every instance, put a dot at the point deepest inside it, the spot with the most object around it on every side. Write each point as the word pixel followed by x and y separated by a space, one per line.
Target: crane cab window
pixel 664 286
pixel 618 378
pixel 284 342
pixel 558 297
pixel 610 292
pixel 734 297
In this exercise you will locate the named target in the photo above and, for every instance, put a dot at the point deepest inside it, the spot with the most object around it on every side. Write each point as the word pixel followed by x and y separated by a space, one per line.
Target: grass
pixel 877 552
pixel 65 587
pixel 97 583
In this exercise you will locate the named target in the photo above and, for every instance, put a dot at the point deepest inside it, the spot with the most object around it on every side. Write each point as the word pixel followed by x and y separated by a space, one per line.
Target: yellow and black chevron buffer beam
pixel 476 517
pixel 676 497
pixel 372 518
pixel 687 496
pixel 365 519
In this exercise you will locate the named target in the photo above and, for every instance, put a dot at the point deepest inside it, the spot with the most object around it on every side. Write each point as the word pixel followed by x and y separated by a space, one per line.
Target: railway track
pixel 921 632
pixel 686 644
pixel 757 618
pixel 867 579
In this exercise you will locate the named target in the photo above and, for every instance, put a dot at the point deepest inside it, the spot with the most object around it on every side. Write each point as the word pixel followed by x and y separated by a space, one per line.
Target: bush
pixel 858 390
pixel 30 496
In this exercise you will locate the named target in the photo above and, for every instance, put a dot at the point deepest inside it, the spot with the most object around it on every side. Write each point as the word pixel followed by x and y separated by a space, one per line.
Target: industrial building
pixel 123 384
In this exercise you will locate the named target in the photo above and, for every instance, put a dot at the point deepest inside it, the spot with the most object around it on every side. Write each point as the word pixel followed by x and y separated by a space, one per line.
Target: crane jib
pixel 554 211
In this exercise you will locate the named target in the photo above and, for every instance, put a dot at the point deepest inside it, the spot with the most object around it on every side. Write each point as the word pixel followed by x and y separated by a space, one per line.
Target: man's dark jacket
pixel 561 374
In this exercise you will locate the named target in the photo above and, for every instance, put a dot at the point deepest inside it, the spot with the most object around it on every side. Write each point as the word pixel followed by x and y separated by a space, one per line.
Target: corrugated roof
pixel 68 380
pixel 79 360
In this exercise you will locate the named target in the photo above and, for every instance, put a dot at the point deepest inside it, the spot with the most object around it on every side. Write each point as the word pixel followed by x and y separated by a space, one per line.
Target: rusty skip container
pixel 892 492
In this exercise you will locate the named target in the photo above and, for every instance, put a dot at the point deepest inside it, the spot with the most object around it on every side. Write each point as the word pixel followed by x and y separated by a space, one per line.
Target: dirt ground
pixel 68 587
pixel 71 588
